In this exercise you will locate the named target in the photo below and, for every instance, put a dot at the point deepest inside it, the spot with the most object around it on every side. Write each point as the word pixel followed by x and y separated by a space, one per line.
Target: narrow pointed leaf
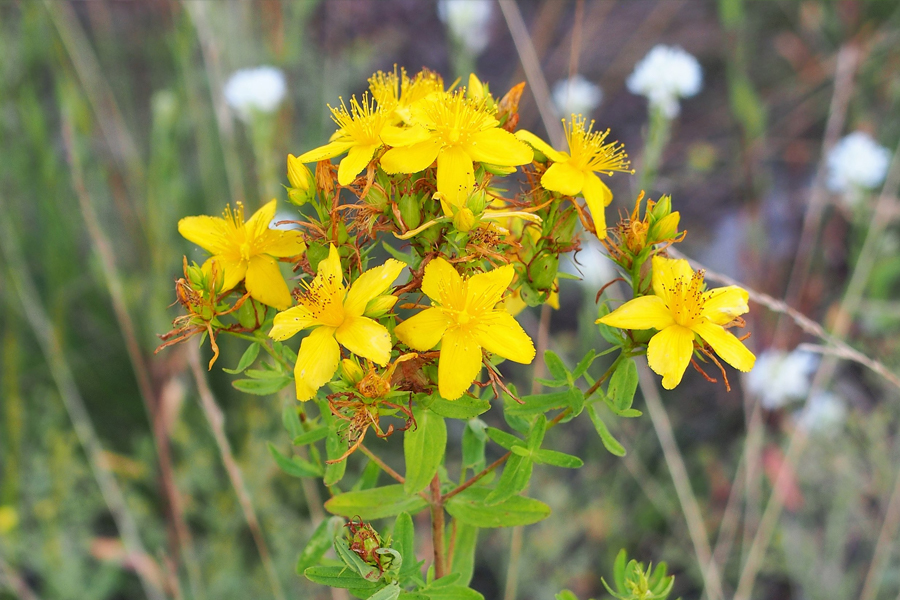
pixel 377 503
pixel 611 443
pixel 423 449
pixel 469 507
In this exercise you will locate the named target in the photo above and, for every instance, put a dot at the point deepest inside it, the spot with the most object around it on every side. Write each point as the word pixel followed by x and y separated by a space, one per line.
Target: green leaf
pixel 538 404
pixel 376 503
pixel 566 595
pixel 622 385
pixel 536 435
pixel 506 440
pixel 334 449
pixel 469 507
pixel 463 560
pixel 619 570
pixel 262 387
pixel 319 543
pixel 247 359
pixel 311 436
pixel 423 449
pixel 407 258
pixel 576 402
pixel 515 478
pixel 473 445
pixel 369 477
pixel 452 592
pixel 291 420
pixel 295 466
pixel 338 577
pixel 628 413
pixel 555 365
pixel 606 437
pixel 557 459
pixel 583 365
pixel 391 592
pixel 465 407
pixel 403 540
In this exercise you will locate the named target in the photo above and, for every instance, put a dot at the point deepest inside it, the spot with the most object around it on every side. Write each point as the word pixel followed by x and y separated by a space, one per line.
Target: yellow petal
pixel 317 361
pixel 541 146
pixel 441 280
pixel 722 305
pixel 500 333
pixel 498 147
pixel 563 178
pixel 357 159
pixel 257 225
pixel 327 151
pixel 266 284
pixel 291 321
pixel 515 304
pixel 370 284
pixel 597 195
pixel 329 268
pixel 667 273
pixel 281 244
pixel 459 364
pixel 411 159
pixel 486 289
pixel 455 174
pixel 645 312
pixel 726 345
pixel 423 330
pixel 404 136
pixel 210 233
pixel 232 271
pixel 669 354
pixel 365 337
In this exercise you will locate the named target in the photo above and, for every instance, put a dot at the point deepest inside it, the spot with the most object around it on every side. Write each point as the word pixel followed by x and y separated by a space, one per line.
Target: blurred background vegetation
pixel 113 123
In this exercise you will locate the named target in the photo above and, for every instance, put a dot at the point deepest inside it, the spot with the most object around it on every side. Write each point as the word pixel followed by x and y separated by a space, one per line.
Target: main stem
pixel 437 528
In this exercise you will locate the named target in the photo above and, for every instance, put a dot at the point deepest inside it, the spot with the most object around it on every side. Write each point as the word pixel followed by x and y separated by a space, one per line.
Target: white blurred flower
pixel 593 267
pixel 576 95
pixel 824 414
pixel 779 377
pixel 469 21
pixel 666 74
pixel 857 162
pixel 255 90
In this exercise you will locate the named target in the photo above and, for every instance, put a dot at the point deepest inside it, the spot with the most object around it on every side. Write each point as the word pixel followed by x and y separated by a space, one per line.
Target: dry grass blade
pixel 52 348
pixel 216 419
pixel 533 73
pixel 712 580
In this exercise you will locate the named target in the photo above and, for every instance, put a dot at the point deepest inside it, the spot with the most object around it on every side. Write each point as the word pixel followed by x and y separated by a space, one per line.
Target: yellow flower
pixel 454 131
pixel 359 135
pixel 679 309
pixel 246 250
pixel 574 172
pixel 338 315
pixel 395 94
pixel 467 315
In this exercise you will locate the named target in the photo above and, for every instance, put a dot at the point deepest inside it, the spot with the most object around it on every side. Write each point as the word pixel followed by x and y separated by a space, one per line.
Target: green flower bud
pixel 410 210
pixel 565 227
pixel 542 271
pixel 303 182
pixel 661 209
pixel 666 228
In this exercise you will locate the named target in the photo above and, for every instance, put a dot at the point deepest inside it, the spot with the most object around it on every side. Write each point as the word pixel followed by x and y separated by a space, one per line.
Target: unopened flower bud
pixel 410 210
pixel 666 228
pixel 476 88
pixel 380 306
pixel 662 208
pixel 476 202
pixel 299 174
pixel 464 220
pixel 352 371
pixel 542 271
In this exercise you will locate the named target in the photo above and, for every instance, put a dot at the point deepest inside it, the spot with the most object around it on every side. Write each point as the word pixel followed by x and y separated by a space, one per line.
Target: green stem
pixel 265 346
pixel 659 129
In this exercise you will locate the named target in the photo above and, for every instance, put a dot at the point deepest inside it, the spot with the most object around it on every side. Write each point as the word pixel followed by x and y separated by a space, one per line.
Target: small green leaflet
pixel 375 503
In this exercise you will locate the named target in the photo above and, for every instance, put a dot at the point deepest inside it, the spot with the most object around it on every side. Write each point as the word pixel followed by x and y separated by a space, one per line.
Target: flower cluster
pixel 474 216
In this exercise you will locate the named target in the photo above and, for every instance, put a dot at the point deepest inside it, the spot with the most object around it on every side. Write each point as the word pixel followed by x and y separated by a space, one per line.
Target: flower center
pixel 324 299
pixel 245 251
pixel 588 150
pixel 686 300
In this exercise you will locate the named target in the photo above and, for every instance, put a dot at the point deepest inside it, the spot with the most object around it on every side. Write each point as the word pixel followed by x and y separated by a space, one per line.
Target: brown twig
pixel 437 528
